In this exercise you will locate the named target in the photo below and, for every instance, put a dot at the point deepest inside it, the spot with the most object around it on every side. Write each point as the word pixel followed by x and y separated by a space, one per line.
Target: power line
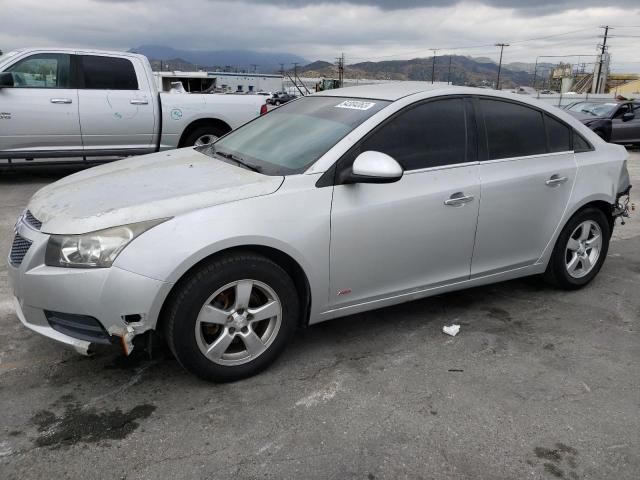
pixel 469 47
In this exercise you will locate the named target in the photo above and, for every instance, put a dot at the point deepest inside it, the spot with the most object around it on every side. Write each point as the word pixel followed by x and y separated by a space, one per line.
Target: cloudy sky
pixel 321 29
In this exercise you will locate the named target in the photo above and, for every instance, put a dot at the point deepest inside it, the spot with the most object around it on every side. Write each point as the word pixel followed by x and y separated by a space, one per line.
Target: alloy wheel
pixel 583 249
pixel 238 322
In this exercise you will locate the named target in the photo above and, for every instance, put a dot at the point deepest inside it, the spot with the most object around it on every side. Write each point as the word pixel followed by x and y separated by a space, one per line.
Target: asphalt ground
pixel 539 383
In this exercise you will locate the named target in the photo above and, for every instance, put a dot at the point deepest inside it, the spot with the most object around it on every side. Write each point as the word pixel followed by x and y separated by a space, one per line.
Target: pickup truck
pixel 69 104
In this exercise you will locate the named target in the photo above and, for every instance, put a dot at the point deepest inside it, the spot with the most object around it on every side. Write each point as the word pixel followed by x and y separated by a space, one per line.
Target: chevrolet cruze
pixel 336 203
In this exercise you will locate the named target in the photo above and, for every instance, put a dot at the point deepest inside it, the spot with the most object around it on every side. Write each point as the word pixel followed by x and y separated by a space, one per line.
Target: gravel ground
pixel 538 384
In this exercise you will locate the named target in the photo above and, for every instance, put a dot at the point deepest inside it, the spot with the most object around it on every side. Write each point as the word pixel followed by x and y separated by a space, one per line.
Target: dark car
pixel 280 98
pixel 615 122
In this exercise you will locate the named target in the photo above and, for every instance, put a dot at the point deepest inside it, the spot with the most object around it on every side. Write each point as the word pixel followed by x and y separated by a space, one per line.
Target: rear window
pixel 513 130
pixel 108 73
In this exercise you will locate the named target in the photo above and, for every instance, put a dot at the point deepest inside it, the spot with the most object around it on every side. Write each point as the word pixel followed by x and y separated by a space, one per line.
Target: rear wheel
pixel 580 250
pixel 203 136
pixel 232 317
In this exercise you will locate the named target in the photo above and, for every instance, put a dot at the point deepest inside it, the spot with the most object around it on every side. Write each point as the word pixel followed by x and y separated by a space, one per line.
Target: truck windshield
pixel 291 138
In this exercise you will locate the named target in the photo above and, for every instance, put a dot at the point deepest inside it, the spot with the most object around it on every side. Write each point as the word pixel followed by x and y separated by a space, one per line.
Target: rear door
pixel 39 114
pixel 527 171
pixel 395 238
pixel 116 110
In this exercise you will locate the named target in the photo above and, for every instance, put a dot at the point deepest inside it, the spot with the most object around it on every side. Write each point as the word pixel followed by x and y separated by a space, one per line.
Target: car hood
pixel 142 188
pixel 584 117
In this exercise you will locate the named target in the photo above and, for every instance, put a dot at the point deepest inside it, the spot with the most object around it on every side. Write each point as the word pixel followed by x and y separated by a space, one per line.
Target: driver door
pixel 40 112
pixel 626 130
pixel 399 238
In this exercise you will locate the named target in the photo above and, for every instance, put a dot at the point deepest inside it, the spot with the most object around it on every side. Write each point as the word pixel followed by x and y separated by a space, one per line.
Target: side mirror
pixel 374 167
pixel 628 116
pixel 6 80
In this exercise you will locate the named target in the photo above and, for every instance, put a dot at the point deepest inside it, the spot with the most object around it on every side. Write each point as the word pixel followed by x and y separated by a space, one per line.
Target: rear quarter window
pixel 558 135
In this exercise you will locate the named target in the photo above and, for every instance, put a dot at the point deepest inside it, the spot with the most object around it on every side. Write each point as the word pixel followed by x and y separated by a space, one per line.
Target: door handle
pixel 60 100
pixel 555 180
pixel 458 199
pixel 138 101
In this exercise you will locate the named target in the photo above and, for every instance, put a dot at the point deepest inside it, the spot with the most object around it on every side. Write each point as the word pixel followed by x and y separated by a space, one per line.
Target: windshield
pixel 595 109
pixel 291 138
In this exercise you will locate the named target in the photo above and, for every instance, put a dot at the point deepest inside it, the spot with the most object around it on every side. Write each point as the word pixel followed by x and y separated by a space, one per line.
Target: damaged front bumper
pixel 81 308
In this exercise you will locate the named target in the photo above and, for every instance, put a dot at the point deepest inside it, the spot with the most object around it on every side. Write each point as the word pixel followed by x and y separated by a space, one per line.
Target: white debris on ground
pixel 451 329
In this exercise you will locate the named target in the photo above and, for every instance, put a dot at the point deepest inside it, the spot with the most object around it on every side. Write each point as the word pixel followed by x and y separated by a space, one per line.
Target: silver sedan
pixel 337 203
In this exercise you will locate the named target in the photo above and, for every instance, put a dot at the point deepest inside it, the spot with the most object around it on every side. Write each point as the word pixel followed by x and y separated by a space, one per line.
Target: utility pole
pixel 255 67
pixel 340 61
pixel 433 64
pixel 449 76
pixel 501 45
pixel 604 48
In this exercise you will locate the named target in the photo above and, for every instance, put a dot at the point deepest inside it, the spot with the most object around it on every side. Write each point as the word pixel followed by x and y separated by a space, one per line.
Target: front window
pixel 290 139
pixel 595 109
pixel 42 70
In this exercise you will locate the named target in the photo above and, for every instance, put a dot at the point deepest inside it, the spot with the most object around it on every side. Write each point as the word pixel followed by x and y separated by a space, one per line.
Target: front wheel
pixel 580 250
pixel 231 318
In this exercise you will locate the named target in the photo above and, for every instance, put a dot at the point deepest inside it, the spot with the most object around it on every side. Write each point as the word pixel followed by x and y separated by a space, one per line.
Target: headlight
pixel 96 249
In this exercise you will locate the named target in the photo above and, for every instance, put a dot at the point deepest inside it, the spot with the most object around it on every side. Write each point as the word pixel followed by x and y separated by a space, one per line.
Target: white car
pixel 334 204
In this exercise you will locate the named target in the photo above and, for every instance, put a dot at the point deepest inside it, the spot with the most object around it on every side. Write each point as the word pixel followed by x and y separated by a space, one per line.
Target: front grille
pixel 19 249
pixel 32 221
pixel 81 327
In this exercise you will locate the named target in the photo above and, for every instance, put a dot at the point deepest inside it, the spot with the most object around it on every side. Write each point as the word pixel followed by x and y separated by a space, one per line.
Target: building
pixel 219 81
pixel 629 89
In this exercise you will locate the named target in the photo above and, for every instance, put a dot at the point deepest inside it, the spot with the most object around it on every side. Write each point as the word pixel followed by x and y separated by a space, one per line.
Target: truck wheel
pixel 203 136
pixel 580 250
pixel 232 317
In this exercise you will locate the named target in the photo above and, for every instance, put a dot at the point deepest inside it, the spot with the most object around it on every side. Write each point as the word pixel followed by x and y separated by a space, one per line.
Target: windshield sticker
pixel 355 105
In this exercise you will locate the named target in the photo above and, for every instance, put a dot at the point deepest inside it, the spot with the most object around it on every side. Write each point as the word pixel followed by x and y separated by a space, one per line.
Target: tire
pixel 211 131
pixel 574 265
pixel 278 103
pixel 215 289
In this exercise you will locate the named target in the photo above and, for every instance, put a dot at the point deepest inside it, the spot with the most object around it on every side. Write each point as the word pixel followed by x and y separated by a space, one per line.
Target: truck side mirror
pixel 6 80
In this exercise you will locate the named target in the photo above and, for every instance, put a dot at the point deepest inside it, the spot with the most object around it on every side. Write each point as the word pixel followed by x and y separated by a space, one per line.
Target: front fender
pixel 294 222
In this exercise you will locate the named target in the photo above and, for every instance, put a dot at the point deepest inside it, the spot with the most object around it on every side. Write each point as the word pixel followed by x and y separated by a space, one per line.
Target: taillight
pixel 263 109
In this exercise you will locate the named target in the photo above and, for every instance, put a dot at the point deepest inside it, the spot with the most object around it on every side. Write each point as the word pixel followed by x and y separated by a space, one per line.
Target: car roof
pixel 383 91
pixel 393 91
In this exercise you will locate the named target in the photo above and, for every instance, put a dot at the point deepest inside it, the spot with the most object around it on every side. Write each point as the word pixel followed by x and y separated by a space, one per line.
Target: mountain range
pixel 220 59
pixel 460 70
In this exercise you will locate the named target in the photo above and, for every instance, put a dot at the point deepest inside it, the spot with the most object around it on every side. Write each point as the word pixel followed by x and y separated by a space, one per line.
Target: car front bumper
pixel 125 304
